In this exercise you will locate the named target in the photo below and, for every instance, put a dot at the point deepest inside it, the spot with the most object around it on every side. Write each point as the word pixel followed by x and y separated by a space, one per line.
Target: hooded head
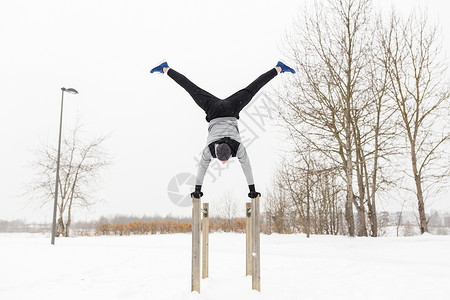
pixel 223 152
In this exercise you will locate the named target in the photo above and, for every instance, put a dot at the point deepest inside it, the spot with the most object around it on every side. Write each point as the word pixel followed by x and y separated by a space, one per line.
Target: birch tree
pixel 417 74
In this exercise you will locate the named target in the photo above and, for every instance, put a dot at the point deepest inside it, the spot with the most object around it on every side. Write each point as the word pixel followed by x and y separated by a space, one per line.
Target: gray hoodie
pixel 219 128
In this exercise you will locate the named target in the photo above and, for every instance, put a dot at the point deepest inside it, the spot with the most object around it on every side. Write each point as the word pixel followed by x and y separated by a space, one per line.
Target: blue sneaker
pixel 284 68
pixel 160 67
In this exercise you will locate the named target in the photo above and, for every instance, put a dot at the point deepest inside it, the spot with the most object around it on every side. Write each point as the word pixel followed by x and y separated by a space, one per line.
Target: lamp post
pixel 70 91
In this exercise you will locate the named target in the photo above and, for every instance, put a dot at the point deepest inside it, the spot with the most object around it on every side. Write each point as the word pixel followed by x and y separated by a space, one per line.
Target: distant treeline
pixel 128 225
pixel 131 225
pixel 22 226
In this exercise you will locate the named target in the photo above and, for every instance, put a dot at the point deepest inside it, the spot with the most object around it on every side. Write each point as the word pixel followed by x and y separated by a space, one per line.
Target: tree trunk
pixel 421 206
pixel 360 164
pixel 308 217
pixel 361 211
pixel 60 229
pixel 68 223
pixel 374 219
pixel 371 197
pixel 308 206
pixel 349 214
pixel 334 215
pixel 349 177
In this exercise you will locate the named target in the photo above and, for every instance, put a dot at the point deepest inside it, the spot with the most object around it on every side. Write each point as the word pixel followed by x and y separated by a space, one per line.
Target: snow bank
pixel 158 267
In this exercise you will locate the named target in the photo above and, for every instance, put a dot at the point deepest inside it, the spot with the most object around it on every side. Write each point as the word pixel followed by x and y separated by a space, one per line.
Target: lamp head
pixel 69 90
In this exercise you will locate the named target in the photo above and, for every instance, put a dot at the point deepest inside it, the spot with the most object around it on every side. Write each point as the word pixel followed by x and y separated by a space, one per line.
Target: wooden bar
pixel 205 245
pixel 195 276
pixel 248 239
pixel 256 271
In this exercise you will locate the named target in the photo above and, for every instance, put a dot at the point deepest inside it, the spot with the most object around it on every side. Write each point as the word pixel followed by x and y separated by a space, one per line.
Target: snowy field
pixel 159 266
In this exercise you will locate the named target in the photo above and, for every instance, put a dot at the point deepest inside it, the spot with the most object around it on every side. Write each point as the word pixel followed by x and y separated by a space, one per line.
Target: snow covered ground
pixel 159 266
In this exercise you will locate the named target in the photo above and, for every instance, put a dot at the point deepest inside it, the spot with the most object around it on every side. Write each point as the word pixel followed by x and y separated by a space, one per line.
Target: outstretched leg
pixel 241 98
pixel 200 96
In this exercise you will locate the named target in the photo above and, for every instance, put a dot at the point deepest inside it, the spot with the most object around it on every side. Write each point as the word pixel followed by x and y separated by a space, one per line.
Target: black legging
pixel 228 107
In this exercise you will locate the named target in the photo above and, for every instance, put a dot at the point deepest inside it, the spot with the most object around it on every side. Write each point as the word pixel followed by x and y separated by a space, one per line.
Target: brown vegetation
pixel 165 226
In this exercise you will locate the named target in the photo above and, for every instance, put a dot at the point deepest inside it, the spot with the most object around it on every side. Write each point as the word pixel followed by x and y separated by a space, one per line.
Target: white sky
pixel 105 50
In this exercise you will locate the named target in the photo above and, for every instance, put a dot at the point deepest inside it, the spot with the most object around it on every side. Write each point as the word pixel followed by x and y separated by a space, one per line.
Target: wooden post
pixel 256 271
pixel 205 245
pixel 195 276
pixel 248 239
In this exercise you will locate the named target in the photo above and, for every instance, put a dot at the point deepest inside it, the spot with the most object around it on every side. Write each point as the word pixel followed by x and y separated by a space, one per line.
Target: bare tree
pixel 305 197
pixel 417 75
pixel 290 184
pixel 331 46
pixel 375 129
pixel 81 163
pixel 278 210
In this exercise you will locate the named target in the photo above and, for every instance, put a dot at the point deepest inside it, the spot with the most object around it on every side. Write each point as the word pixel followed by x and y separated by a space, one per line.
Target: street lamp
pixel 70 91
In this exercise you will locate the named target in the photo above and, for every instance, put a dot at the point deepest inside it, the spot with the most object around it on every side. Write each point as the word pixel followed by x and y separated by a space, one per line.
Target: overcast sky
pixel 105 50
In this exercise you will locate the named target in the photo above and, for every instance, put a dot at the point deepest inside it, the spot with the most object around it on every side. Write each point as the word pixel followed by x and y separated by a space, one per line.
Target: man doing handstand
pixel 223 139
